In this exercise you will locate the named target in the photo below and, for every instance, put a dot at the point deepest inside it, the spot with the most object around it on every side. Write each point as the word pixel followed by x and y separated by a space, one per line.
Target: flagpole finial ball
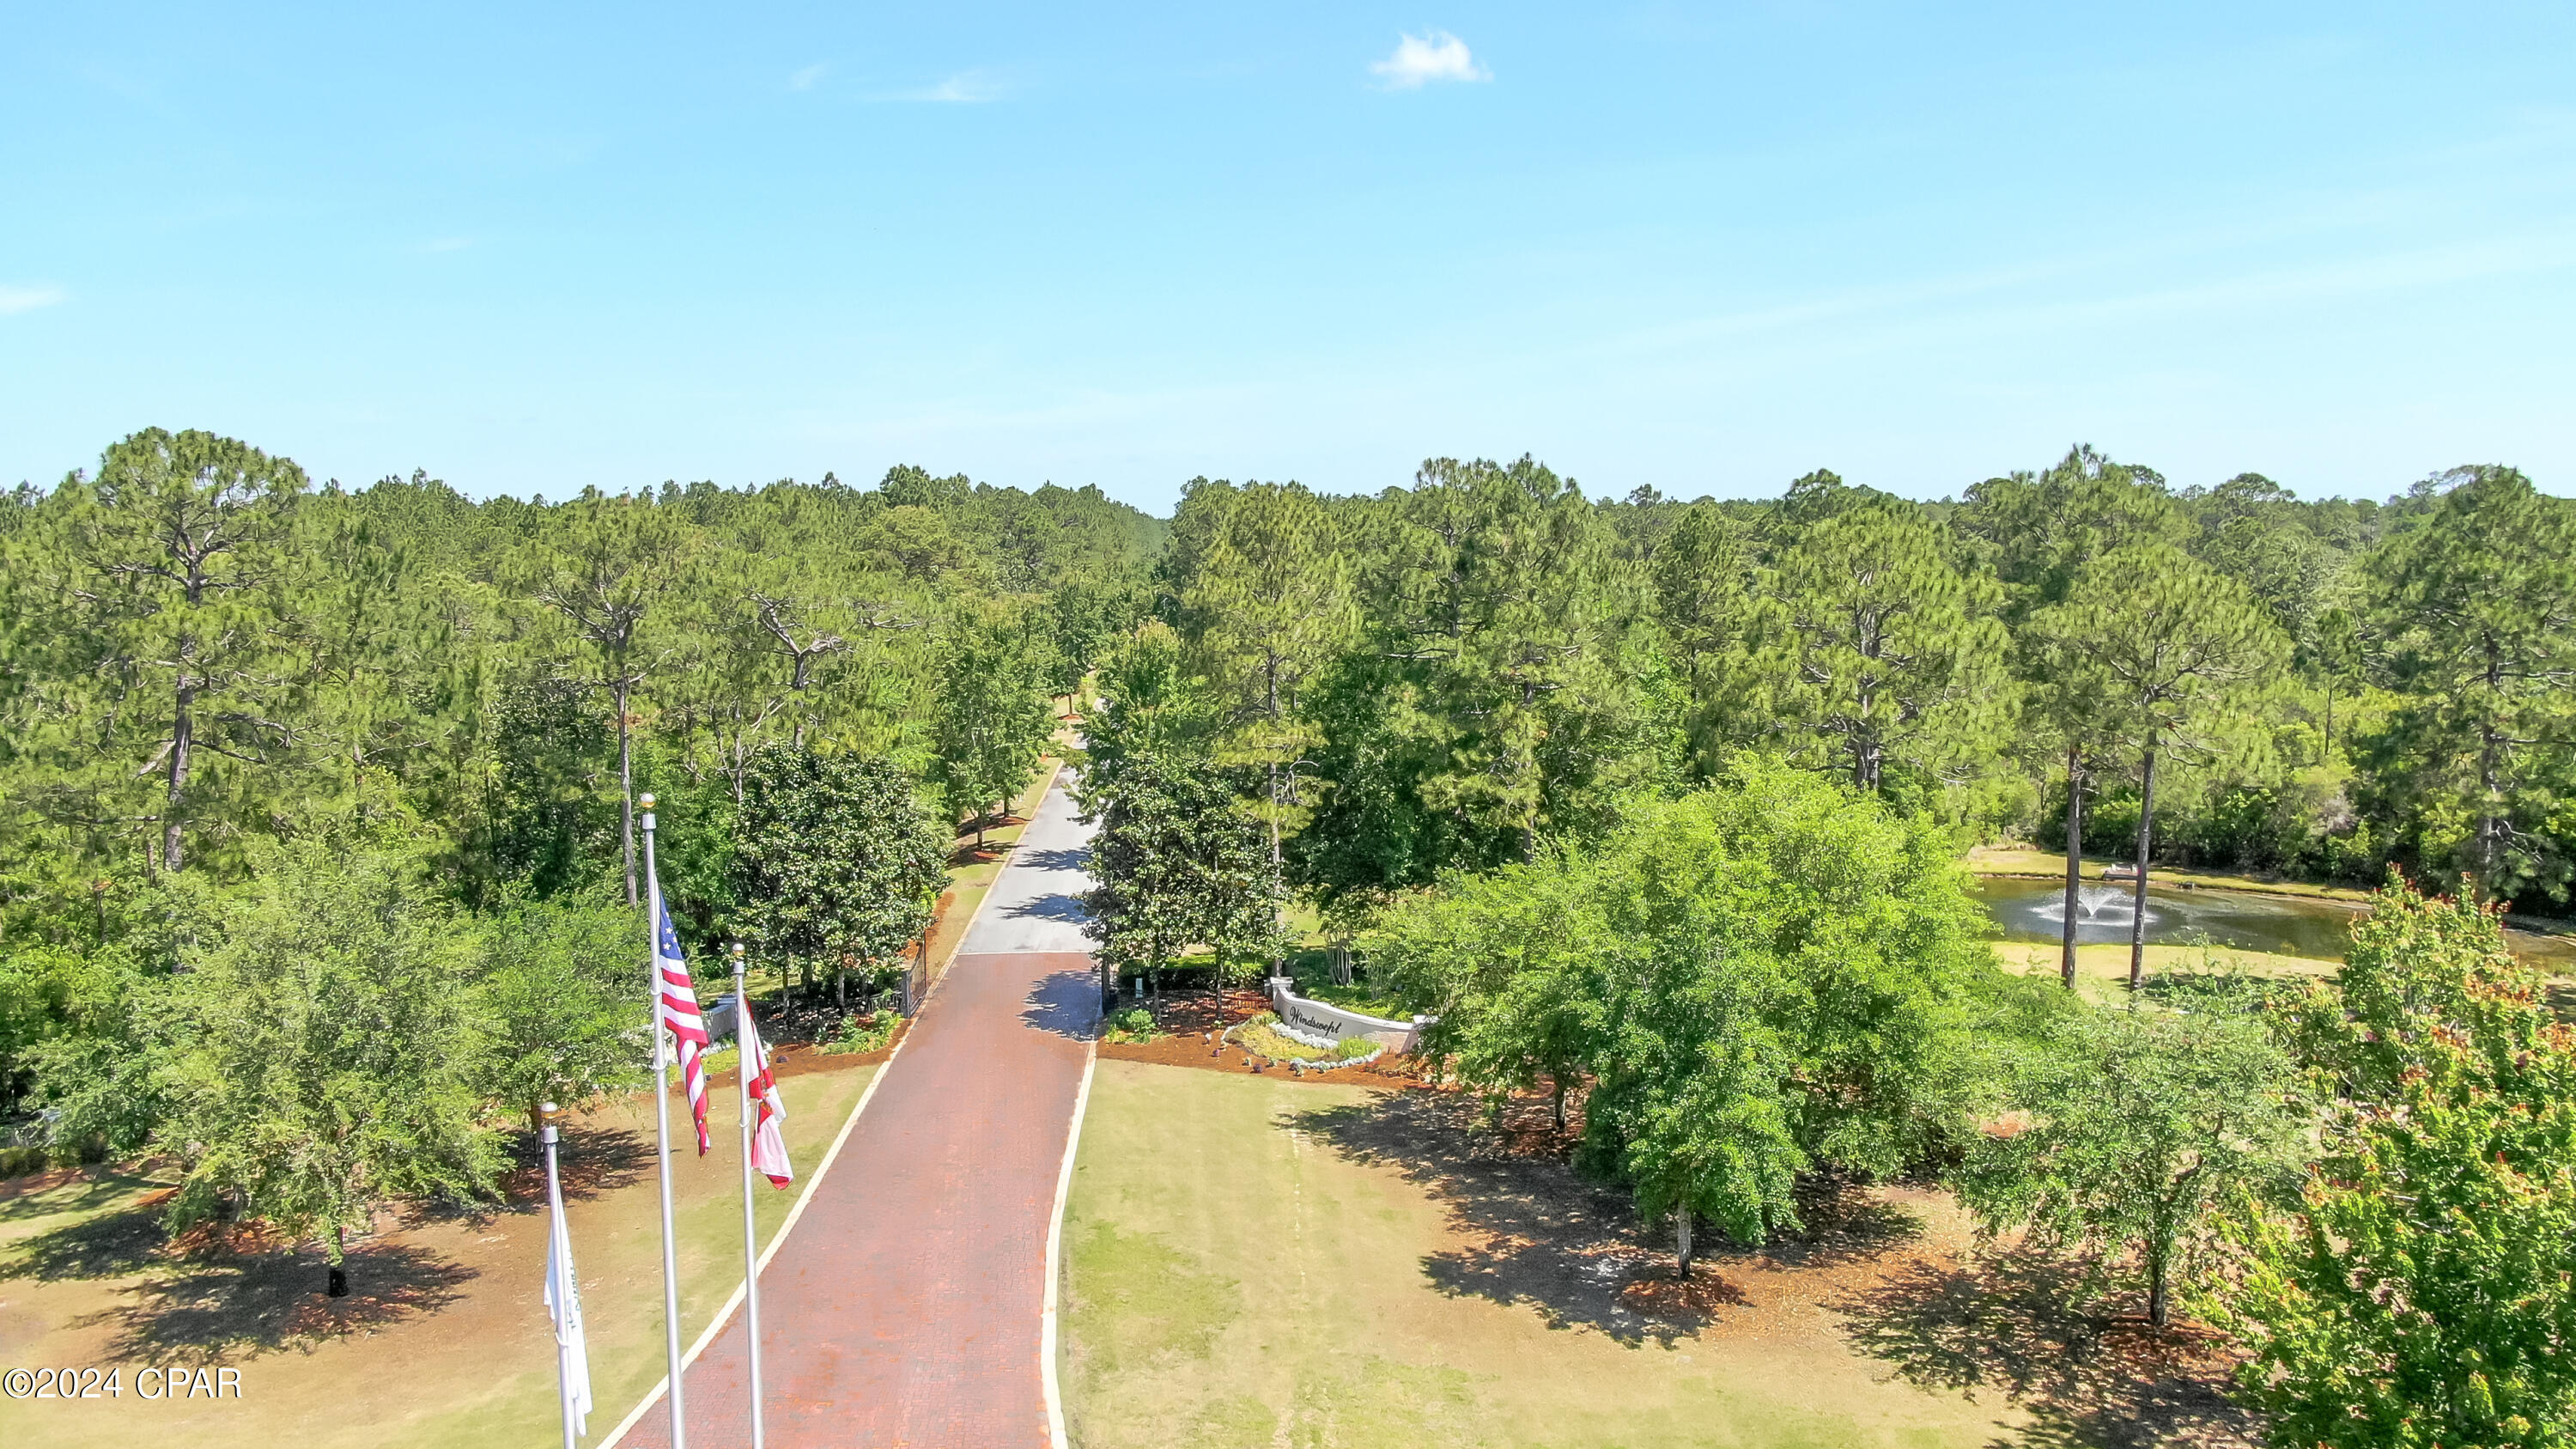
pixel 645 800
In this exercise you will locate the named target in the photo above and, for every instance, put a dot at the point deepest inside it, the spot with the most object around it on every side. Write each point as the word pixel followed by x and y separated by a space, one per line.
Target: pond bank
pixel 2309 919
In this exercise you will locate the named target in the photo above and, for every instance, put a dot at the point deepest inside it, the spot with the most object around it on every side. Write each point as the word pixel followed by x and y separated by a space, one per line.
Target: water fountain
pixel 2026 909
pixel 2103 906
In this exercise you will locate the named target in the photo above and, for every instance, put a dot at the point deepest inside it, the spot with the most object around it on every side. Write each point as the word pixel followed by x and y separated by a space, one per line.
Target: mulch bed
pixel 1193 1022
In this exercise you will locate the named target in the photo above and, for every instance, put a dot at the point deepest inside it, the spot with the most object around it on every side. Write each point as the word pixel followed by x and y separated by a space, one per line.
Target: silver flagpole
pixel 750 1239
pixel 563 1349
pixel 662 1134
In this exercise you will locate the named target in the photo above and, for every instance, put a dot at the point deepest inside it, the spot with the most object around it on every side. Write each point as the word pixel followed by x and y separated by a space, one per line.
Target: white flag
pixel 768 1148
pixel 563 1304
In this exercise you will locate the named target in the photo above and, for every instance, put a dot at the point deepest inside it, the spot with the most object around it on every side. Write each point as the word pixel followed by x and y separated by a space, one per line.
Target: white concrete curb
pixel 1055 1253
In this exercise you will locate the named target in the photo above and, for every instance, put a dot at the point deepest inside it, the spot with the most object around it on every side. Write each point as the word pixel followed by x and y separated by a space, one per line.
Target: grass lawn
pixel 2020 860
pixel 1254 1262
pixel 443 1341
pixel 2102 967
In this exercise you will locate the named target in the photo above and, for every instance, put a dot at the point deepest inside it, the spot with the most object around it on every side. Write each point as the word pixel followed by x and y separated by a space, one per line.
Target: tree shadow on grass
pixel 2027 1326
pixel 1535 1234
pixel 222 1307
pixel 94 1188
pixel 205 1301
pixel 590 1160
pixel 110 1245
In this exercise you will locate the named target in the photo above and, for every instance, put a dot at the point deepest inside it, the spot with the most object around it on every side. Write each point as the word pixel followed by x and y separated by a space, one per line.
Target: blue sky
pixel 1704 248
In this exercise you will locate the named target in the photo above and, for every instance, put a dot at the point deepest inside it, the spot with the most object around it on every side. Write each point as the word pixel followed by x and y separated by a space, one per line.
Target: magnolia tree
pixel 1175 864
pixel 835 864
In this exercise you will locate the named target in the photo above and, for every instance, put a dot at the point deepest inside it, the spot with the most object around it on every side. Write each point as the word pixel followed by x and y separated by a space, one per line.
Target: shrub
pixel 864 1033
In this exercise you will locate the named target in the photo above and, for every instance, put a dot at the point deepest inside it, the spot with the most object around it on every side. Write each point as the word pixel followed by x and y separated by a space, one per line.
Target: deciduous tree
pixel 2421 1289
pixel 992 723
pixel 331 1063
pixel 2142 1124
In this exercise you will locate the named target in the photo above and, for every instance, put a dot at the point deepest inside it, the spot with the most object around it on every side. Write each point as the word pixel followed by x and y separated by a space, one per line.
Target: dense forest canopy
pixel 1444 674
pixel 209 663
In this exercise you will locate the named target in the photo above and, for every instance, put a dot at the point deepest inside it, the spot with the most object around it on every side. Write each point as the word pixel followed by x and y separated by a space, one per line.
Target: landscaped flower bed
pixel 1263 1037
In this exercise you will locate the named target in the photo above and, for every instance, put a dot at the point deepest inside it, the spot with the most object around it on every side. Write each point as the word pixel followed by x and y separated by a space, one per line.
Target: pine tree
pixel 1886 652
pixel 1271 600
pixel 179 575
pixel 2175 646
pixel 608 566
pixel 2478 612
pixel 1707 600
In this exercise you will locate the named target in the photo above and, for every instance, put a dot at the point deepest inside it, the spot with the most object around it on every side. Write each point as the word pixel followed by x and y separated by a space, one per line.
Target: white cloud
pixel 447 244
pixel 14 300
pixel 804 80
pixel 967 87
pixel 1419 59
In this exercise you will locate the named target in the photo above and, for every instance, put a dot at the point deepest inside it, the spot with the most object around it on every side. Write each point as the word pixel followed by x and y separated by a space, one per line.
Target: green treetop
pixel 179 574
pixel 1271 600
pixel 2419 1290
pixel 835 864
pixel 1887 652
pixel 2176 647
pixel 2477 608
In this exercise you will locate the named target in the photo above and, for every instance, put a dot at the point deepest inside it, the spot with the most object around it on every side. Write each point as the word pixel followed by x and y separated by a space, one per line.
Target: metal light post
pixel 662 1134
pixel 547 1112
pixel 742 1036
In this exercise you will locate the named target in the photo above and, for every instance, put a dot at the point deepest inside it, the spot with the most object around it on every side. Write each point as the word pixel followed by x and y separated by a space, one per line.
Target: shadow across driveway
pixel 1066 1004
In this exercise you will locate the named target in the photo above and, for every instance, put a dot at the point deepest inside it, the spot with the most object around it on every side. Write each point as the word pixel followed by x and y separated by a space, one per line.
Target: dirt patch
pixel 2026 1325
pixel 1893 1271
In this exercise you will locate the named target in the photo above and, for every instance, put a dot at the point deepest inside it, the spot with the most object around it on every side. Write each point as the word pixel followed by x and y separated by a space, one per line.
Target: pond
pixel 2025 908
pixel 2034 910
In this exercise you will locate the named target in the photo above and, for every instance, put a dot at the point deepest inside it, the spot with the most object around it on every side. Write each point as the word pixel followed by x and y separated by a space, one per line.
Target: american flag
pixel 677 1013
pixel 768 1148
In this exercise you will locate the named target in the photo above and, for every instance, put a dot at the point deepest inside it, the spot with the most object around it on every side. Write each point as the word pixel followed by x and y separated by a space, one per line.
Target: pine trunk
pixel 2074 862
pixel 626 793
pixel 2146 836
pixel 183 735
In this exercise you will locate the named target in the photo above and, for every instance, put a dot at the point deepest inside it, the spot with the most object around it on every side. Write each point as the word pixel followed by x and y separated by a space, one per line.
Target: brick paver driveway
pixel 905 1306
